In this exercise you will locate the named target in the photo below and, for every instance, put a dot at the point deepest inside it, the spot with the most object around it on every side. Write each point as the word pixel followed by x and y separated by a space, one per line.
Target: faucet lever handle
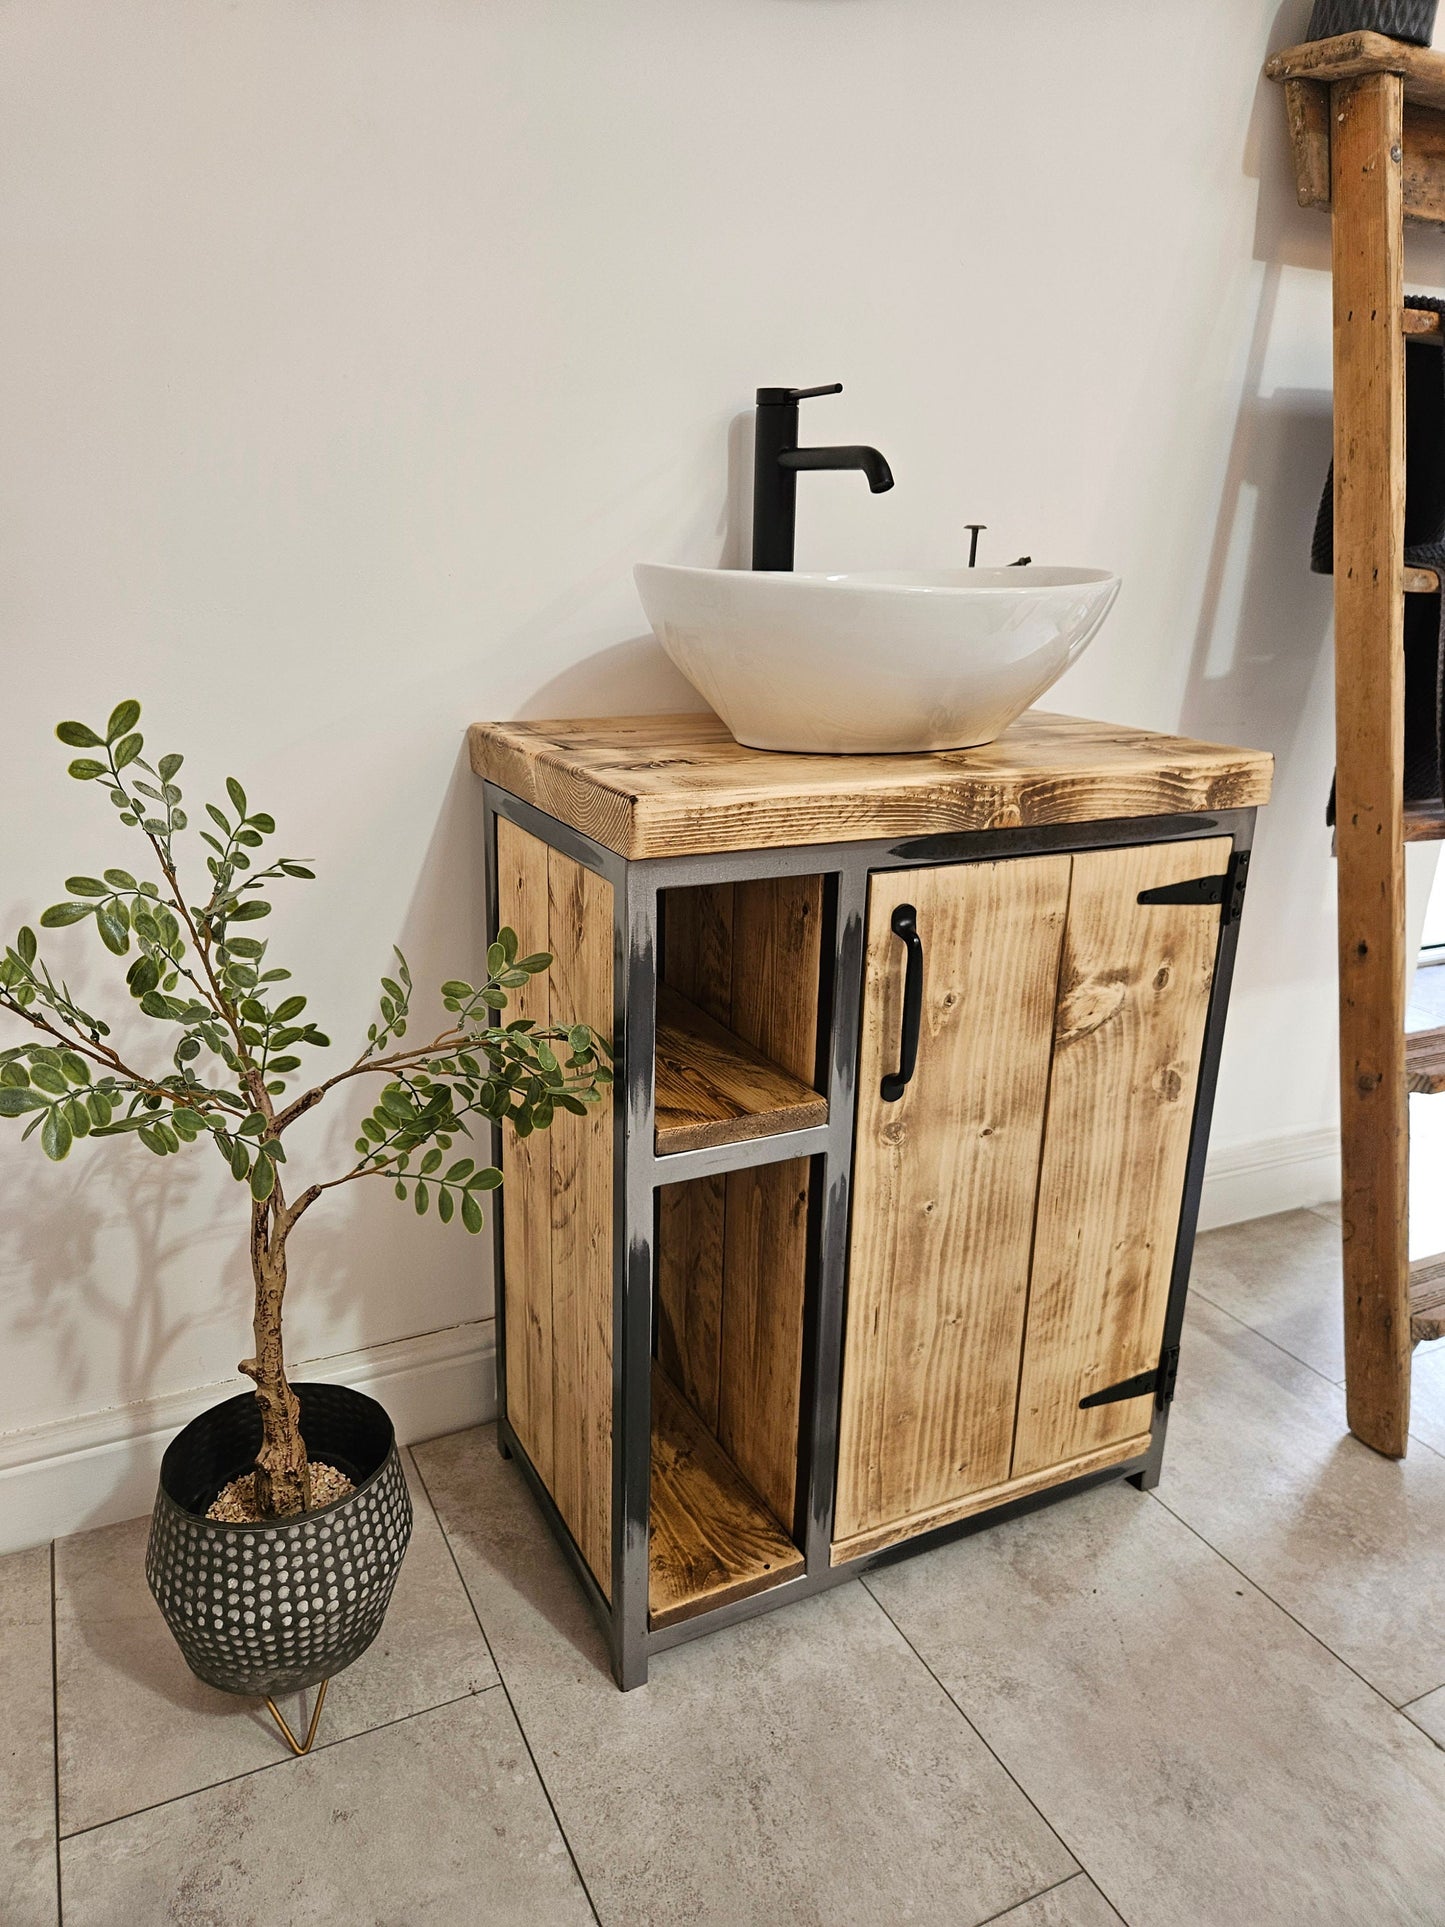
pixel 787 397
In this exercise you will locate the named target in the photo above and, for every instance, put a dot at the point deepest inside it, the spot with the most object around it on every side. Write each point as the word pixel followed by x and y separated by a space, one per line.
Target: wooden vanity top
pixel 650 786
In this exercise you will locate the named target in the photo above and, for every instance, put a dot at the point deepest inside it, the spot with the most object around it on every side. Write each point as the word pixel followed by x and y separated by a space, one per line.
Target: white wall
pixel 350 353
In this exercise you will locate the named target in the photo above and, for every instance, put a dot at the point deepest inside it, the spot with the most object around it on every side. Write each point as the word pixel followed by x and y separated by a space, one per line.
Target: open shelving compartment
pixel 740 1016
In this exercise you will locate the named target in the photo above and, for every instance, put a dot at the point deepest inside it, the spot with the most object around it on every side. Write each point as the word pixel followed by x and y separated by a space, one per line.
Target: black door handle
pixel 905 925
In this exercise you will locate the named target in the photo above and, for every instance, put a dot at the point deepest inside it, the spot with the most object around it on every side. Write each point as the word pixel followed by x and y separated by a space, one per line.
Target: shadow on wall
pixel 1262 655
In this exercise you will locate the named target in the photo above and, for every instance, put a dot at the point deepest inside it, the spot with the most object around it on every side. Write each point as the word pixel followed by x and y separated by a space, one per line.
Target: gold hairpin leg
pixel 300 1746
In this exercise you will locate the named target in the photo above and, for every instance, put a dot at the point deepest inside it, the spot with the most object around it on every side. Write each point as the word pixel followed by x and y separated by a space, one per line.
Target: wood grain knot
pixel 1086 1007
pixel 1168 1083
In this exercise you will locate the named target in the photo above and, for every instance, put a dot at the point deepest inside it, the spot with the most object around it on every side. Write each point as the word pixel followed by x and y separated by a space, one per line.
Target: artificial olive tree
pixel 234 1028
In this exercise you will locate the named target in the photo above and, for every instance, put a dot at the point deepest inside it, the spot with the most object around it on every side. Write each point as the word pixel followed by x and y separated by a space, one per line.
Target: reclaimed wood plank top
pixel 675 785
pixel 1350 56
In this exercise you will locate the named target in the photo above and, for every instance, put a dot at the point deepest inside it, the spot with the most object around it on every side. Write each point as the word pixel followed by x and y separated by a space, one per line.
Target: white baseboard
pixel 1269 1174
pixel 102 1466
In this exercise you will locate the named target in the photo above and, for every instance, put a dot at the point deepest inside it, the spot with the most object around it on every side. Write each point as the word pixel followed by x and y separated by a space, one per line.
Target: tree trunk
pixel 283 1476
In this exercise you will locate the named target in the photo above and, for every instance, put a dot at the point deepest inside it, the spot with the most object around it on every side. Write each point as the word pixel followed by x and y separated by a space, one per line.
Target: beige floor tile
pixel 436 1821
pixel 1281 1276
pixel 1429 1714
pixel 1353 1545
pixel 1209 1763
pixel 801 1770
pixel 1074 1903
pixel 27 1743
pixel 136 1726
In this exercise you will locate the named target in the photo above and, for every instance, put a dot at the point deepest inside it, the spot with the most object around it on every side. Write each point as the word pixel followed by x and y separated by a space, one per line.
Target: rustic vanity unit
pixel 888 1229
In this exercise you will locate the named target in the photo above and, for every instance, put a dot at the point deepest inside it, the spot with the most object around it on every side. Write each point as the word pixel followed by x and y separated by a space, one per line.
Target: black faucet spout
pixel 849 455
pixel 777 463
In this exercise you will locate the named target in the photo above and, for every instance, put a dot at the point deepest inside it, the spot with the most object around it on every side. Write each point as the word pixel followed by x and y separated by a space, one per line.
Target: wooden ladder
pixel 1367 124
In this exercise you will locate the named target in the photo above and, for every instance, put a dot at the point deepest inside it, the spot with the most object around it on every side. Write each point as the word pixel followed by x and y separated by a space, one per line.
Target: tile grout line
pixel 506 1690
pixel 1279 1606
pixel 1336 1384
pixel 1001 1920
pixel 55 1736
pixel 1003 1766
pixel 283 1759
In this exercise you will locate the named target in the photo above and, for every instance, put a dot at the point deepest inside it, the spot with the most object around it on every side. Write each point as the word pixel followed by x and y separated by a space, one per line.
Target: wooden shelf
pixel 1424 822
pixel 712 1088
pixel 1309 71
pixel 1427 1298
pixel 1425 1062
pixel 1350 56
pixel 712 1539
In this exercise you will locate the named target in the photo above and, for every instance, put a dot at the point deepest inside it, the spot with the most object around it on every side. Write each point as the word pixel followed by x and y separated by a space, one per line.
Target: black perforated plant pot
pixel 270 1608
pixel 1400 19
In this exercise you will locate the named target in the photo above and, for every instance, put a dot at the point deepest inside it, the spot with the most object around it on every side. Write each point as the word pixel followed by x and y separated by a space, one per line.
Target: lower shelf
pixel 1427 1298
pixel 712 1088
pixel 1425 1062
pixel 712 1539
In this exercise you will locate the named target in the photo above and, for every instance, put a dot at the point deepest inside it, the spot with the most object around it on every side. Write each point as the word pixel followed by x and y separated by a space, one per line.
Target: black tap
pixel 777 459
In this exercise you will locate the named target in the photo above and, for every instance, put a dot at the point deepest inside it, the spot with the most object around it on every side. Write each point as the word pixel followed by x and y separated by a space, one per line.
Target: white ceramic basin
pixel 884 660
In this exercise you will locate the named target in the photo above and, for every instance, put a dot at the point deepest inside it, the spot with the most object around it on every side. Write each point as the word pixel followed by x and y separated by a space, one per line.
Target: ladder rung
pixel 1420 324
pixel 1425 1062
pixel 1424 822
pixel 1427 1298
pixel 1420 581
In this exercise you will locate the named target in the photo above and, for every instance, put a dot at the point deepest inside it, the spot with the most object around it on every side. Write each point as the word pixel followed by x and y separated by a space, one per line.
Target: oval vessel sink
pixel 884 660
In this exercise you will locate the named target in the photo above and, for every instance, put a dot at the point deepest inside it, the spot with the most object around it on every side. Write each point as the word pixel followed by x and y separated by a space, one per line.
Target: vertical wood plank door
pixel 944 1185
pixel 557 1204
pixel 1129 1033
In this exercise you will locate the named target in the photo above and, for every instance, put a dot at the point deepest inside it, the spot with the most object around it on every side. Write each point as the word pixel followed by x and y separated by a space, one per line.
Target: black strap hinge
pixel 1226 889
pixel 1160 1382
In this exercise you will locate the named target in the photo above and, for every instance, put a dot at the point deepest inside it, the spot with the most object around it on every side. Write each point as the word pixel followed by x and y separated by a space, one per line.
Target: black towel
pixel 1424 638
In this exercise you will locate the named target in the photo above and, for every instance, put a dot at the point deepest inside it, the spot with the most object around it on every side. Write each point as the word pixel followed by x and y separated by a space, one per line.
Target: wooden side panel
pixel 1133 998
pixel 944 1185
pixel 522 902
pixel 762 1329
pixel 1369 451
pixel 690 1232
pixel 698 946
pixel 557 1206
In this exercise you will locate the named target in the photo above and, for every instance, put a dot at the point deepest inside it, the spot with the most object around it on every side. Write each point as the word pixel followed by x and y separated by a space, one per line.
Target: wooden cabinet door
pixel 1134 989
pixel 944 1184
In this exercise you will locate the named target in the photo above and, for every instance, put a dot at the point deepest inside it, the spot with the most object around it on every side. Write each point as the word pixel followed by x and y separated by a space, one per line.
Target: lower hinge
pixel 1226 889
pixel 1160 1382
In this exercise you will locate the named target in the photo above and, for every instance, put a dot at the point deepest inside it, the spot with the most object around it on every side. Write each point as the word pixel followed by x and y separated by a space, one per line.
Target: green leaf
pixel 445 1206
pixel 471 1211
pixel 423 1199
pixel 219 818
pixel 296 869
pixel 454 987
pixel 259 820
pixel 127 749
pixel 280 1065
pixel 13 1101
pixel 75 1067
pixel 155 1005
pixel 77 736
pixel 123 718
pixel 494 999
pixel 254 1125
pixel 430 1162
pixel 168 765
pixel 14 1074
pixel 374 1131
pixel 143 976
pixel 249 911
pixel 240 1161
pixel 459 1172
pixel 507 938
pixel 86 887
pixel 119 880
pixel 486 1180
pixel 85 769
pixel 60 914
pixel 186 1125
pixel 245 947
pixel 539 960
pixel 237 795
pixel 263 1178
pixel 25 944
pixel 78 1118
pixel 113 924
pixel 46 1077
pixel 55 1135
pixel 400 1189
pixel 291 1007
pixel 497 959
pixel 98 1104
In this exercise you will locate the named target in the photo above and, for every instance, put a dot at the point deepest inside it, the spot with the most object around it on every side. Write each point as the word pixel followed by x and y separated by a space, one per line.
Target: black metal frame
pixel 638 1173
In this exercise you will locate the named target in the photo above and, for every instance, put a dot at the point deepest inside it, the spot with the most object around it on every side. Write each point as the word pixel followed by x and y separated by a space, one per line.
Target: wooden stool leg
pixel 1369 519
